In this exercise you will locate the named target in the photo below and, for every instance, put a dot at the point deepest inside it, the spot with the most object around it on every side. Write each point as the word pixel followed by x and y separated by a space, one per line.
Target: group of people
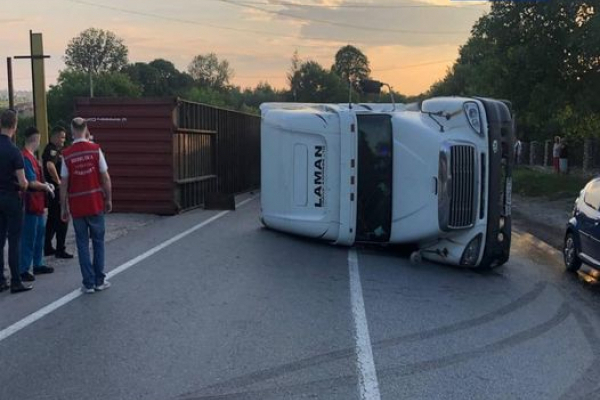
pixel 71 183
pixel 560 154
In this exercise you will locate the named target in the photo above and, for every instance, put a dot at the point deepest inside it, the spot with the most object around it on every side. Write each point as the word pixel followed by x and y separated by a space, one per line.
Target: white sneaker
pixel 85 290
pixel 102 287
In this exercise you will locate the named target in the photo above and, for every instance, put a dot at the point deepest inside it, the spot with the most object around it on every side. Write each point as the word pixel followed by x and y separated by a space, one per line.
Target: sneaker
pixel 63 255
pixel 20 288
pixel 85 290
pixel 41 270
pixel 104 286
pixel 4 286
pixel 49 252
pixel 27 277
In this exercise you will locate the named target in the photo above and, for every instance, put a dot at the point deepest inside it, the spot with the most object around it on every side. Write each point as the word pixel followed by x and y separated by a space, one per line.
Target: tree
pixel 542 56
pixel 352 65
pixel 291 76
pixel 159 78
pixel 95 51
pixel 209 71
pixel 73 84
pixel 314 84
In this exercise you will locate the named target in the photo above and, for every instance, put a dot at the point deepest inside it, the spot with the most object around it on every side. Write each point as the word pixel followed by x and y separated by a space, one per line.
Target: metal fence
pixel 582 154
pixel 166 155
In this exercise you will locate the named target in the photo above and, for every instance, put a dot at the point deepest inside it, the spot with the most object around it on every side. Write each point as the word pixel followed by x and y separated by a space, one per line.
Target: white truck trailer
pixel 436 174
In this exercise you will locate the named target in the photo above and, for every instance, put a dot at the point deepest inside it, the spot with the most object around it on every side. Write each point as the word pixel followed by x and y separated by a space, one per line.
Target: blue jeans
pixel 87 228
pixel 32 242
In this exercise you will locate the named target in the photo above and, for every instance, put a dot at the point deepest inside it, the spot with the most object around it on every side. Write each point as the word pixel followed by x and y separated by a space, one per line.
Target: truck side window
pixel 375 163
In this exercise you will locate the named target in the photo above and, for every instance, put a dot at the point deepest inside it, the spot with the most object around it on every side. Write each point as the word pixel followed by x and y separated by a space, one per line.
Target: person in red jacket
pixel 86 195
pixel 34 199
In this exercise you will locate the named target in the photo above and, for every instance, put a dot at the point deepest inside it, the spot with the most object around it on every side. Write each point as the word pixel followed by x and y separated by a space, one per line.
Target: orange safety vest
pixel 86 196
pixel 35 201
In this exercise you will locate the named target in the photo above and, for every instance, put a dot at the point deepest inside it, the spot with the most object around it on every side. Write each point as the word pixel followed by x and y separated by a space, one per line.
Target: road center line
pixel 42 312
pixel 368 385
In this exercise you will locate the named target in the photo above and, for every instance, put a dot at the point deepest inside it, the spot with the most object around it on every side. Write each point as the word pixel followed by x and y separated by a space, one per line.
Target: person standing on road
pixel 32 239
pixel 86 195
pixel 12 180
pixel 52 162
pixel 556 154
pixel 564 157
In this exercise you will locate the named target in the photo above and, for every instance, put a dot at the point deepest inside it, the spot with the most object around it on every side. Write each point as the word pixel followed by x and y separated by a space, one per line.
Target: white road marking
pixel 42 312
pixel 368 385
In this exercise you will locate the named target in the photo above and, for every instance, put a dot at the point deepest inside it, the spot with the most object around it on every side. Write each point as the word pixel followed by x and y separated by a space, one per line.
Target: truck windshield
pixel 374 205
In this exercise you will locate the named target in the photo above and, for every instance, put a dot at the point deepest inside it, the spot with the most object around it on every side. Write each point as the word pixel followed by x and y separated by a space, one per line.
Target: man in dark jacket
pixel 12 180
pixel 52 163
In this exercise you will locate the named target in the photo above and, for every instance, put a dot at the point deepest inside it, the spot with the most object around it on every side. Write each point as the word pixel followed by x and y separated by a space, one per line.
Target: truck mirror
pixel 370 86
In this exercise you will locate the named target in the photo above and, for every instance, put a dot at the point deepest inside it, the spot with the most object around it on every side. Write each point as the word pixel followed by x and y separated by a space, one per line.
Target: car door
pixel 590 222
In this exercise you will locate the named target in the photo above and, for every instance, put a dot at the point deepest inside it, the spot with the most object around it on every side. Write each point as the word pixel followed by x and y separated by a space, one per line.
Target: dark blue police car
pixel 582 240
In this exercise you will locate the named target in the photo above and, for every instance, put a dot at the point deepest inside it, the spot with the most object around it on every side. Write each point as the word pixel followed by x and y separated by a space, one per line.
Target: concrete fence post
pixel 548 153
pixel 534 153
pixel 525 153
pixel 588 155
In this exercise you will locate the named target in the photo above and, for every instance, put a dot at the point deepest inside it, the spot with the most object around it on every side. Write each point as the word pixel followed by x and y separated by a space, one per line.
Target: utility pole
pixel 11 89
pixel 38 77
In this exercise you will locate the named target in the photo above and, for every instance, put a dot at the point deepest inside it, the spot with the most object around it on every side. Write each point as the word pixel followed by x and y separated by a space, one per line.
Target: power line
pixel 340 24
pixel 197 23
pixel 361 5
pixel 412 66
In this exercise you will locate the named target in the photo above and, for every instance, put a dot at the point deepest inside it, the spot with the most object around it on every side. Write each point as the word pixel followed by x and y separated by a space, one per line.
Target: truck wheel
pixel 572 261
pixel 416 257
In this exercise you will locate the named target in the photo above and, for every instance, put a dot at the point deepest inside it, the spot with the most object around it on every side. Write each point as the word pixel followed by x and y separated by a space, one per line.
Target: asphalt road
pixel 235 311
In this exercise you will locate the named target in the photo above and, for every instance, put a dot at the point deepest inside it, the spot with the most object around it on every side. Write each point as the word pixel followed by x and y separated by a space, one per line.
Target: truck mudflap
pixel 501 133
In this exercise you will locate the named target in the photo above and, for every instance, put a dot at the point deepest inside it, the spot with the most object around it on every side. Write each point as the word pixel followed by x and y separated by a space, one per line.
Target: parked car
pixel 582 239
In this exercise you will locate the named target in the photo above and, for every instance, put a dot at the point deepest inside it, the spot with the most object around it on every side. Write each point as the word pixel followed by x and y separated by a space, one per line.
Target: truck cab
pixel 435 174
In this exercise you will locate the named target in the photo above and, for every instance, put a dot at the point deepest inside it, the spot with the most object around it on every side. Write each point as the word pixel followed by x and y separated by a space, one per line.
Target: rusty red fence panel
pixel 165 154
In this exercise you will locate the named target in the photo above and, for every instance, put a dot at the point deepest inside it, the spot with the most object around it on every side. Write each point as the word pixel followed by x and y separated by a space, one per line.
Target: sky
pixel 410 43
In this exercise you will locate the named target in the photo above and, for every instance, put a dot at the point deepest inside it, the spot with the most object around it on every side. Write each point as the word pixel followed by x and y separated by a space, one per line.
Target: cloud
pixel 417 23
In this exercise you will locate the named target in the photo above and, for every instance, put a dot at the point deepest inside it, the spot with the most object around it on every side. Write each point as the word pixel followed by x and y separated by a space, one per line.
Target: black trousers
pixel 11 223
pixel 55 225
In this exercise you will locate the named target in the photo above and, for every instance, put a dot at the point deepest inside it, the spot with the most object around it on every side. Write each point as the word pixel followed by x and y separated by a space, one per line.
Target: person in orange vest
pixel 86 195
pixel 34 227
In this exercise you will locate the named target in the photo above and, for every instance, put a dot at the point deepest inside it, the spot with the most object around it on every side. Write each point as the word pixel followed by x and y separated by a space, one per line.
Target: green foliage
pixel 95 51
pixel 207 79
pixel 314 84
pixel 533 183
pixel 208 70
pixel 73 84
pixel 159 78
pixel 351 65
pixel 542 56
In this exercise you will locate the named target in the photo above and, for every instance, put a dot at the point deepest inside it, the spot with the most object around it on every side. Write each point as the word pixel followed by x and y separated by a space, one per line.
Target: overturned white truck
pixel 436 174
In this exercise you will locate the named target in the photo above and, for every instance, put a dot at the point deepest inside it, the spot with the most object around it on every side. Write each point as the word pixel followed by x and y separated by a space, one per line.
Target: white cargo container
pixel 435 174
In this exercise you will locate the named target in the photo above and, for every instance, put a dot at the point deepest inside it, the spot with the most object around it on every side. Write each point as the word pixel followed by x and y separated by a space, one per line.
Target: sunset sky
pixel 410 43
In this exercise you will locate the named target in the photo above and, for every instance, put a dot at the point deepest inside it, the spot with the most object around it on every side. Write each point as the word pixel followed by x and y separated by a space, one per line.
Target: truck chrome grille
pixel 463 179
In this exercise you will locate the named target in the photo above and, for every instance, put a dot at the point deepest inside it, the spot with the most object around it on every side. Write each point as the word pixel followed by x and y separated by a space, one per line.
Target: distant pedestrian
pixel 34 226
pixel 12 180
pixel 556 154
pixel 518 150
pixel 564 157
pixel 86 195
pixel 52 162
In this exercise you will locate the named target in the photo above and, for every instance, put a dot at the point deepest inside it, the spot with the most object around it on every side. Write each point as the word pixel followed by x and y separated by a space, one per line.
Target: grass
pixel 533 183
